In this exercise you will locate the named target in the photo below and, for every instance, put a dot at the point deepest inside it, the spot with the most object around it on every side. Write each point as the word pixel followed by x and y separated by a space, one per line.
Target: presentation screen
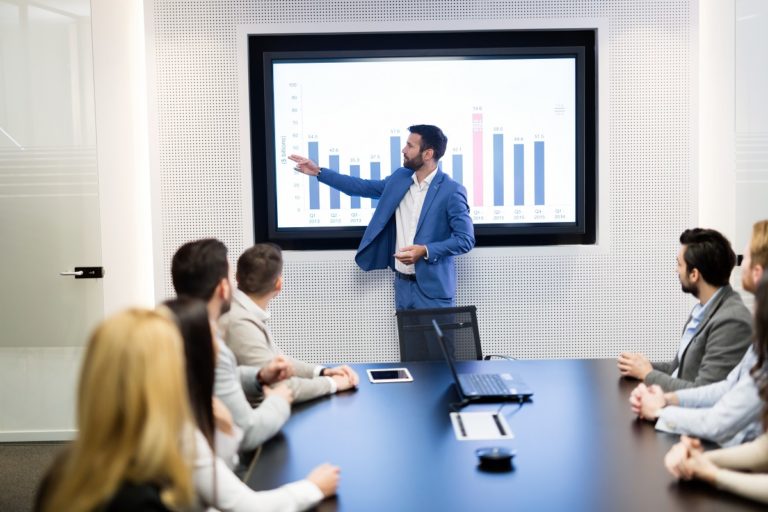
pixel 514 118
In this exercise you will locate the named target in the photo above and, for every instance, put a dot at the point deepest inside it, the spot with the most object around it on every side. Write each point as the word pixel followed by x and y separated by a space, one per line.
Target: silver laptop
pixel 492 387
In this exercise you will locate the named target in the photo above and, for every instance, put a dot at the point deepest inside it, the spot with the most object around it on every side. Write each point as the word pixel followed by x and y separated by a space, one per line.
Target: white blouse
pixel 232 495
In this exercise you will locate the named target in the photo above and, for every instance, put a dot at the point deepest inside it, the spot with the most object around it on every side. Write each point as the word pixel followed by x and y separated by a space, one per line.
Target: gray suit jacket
pixel 250 340
pixel 717 347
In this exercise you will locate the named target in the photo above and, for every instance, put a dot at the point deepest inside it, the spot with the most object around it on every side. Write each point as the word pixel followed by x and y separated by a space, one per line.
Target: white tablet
pixel 380 375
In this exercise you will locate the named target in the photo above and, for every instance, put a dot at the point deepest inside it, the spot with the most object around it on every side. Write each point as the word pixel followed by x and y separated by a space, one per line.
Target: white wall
pixel 123 153
pixel 731 119
pixel 532 302
pixel 751 115
pixel 715 117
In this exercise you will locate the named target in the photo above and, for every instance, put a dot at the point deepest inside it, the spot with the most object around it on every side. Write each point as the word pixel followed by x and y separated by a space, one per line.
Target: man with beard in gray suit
pixel 718 329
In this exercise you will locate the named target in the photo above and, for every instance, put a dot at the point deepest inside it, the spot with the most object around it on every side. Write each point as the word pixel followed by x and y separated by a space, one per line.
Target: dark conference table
pixel 578 446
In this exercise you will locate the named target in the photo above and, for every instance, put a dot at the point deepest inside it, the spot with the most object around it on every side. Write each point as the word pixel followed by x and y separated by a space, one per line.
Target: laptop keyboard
pixel 487 383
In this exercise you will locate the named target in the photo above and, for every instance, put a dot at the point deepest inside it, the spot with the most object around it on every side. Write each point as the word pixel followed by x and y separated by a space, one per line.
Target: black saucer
pixel 495 458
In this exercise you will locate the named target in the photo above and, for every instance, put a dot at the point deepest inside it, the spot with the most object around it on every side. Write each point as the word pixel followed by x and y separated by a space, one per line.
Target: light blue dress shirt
pixel 691 327
pixel 726 412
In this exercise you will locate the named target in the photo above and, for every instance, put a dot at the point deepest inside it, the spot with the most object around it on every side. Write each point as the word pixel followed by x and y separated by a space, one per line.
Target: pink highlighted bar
pixel 477 157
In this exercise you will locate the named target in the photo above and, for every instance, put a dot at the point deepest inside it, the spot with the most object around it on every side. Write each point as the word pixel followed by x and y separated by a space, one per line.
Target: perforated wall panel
pixel 546 303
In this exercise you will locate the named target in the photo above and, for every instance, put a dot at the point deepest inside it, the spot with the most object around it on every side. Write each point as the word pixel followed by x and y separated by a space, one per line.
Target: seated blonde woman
pixel 739 469
pixel 132 408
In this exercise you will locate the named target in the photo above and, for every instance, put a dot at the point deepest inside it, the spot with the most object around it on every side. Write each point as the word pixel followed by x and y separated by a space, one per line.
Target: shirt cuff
pixel 664 426
pixel 305 492
pixel 249 378
pixel 682 398
pixel 426 256
pixel 318 371
pixel 334 387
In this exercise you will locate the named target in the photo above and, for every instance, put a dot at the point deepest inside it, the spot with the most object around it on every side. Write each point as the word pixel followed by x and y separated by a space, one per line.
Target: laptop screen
pixel 448 359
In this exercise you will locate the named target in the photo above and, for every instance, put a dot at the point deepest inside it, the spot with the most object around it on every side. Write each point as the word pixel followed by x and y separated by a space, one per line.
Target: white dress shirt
pixel 407 216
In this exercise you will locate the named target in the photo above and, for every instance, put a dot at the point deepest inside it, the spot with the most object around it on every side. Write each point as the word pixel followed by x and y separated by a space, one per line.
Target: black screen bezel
pixel 539 43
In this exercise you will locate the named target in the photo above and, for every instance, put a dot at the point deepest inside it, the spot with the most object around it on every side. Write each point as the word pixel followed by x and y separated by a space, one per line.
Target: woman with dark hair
pixel 217 438
pixel 191 317
pixel 740 469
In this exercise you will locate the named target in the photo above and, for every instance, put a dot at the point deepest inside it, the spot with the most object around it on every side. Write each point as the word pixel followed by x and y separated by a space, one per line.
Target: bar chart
pixel 511 142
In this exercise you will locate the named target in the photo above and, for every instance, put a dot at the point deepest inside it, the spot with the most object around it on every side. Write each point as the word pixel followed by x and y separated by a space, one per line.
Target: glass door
pixel 49 214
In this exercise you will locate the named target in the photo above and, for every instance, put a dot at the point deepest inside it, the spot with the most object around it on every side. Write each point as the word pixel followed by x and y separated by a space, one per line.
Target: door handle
pixel 85 273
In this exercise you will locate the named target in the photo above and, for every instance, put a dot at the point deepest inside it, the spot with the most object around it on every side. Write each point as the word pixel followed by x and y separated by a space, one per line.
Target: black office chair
pixel 418 341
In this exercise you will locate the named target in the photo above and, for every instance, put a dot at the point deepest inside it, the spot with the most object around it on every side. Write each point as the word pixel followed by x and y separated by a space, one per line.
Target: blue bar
pixel 458 168
pixel 314 185
pixel 394 153
pixel 375 175
pixel 333 163
pixel 538 172
pixel 498 169
pixel 354 170
pixel 519 176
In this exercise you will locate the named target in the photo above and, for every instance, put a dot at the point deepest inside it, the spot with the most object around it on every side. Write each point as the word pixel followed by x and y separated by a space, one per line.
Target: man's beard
pixel 414 163
pixel 690 288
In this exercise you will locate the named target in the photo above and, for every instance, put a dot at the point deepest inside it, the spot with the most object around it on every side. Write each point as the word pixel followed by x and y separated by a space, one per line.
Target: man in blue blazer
pixel 421 221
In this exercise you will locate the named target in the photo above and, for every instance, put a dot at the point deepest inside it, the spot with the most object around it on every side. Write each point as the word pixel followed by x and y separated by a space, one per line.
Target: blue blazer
pixel 444 226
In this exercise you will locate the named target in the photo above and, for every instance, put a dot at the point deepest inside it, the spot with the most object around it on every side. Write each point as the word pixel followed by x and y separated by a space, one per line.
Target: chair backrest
pixel 459 325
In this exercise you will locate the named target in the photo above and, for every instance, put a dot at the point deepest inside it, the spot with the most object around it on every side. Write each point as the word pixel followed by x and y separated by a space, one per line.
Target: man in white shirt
pixel 259 280
pixel 420 223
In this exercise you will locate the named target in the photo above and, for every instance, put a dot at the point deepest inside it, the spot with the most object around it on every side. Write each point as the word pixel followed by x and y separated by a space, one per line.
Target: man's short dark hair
pixel 198 267
pixel 710 252
pixel 258 268
pixel 432 137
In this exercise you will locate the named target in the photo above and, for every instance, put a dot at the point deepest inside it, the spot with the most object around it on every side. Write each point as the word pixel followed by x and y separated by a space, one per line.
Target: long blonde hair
pixel 758 245
pixel 132 413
